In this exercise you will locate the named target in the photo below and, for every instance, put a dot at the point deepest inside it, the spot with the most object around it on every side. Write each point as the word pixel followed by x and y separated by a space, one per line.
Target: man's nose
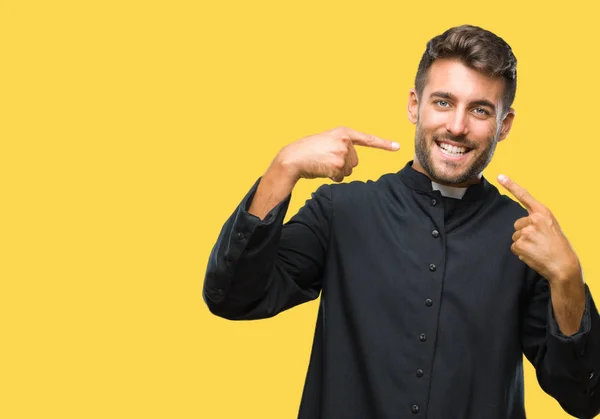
pixel 457 123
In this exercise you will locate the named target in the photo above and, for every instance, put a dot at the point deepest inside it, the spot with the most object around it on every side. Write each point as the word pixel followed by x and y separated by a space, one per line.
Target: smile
pixel 452 150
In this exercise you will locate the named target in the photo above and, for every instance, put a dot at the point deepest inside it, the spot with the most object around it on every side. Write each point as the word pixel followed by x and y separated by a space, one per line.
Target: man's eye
pixel 481 111
pixel 442 103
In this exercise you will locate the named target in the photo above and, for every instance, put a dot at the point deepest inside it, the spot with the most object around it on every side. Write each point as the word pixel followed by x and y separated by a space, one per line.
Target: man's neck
pixel 416 165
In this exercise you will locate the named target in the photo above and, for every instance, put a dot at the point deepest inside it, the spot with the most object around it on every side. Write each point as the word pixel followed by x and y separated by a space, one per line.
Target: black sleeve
pixel 567 367
pixel 259 268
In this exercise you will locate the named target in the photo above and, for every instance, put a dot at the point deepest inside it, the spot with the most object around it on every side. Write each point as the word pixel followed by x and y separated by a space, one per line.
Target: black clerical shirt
pixel 424 310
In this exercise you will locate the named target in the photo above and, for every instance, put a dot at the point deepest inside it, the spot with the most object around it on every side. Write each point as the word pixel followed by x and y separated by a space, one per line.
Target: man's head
pixel 461 103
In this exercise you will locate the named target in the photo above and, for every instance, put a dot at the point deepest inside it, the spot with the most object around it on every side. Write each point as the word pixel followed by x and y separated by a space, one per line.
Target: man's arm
pixel 259 266
pixel 568 303
pixel 561 326
pixel 567 366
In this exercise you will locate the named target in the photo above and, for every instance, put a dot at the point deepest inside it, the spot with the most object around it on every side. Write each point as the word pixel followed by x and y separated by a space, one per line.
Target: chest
pixel 398 260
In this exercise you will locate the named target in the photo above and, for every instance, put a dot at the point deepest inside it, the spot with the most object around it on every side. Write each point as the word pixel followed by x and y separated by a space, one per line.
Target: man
pixel 432 283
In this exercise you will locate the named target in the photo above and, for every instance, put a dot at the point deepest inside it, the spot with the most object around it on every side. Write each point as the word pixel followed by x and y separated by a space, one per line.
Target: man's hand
pixel 330 154
pixel 539 241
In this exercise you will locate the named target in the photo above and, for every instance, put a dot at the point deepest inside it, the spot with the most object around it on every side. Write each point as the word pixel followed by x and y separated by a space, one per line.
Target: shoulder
pixel 361 189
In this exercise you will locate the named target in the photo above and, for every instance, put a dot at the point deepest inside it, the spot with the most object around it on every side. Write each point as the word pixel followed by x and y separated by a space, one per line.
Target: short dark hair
pixel 477 48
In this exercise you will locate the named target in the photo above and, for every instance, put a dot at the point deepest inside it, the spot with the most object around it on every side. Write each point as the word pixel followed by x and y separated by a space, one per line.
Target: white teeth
pixel 452 150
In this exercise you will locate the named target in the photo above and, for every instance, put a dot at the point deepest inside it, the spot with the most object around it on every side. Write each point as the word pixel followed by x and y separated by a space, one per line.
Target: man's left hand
pixel 539 241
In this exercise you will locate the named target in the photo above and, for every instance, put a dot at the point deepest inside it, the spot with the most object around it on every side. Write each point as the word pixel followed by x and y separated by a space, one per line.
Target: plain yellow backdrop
pixel 129 132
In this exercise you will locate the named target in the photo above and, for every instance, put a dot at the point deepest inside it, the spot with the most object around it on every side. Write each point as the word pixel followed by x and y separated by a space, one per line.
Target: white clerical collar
pixel 449 191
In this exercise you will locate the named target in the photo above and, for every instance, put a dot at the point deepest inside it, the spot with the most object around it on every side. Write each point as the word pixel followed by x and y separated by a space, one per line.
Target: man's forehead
pixel 462 82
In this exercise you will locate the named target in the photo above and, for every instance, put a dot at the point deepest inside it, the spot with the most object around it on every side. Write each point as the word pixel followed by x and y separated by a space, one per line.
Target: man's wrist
pixel 282 170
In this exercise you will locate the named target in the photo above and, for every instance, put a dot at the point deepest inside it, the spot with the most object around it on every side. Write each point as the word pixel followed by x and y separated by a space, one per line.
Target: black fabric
pixel 424 310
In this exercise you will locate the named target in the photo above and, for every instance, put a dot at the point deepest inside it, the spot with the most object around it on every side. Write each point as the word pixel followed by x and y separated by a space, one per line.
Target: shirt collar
pixel 449 191
pixel 421 183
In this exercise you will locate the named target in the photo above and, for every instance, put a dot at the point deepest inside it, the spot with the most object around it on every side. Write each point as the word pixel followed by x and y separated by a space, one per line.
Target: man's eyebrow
pixel 480 102
pixel 444 95
pixel 484 102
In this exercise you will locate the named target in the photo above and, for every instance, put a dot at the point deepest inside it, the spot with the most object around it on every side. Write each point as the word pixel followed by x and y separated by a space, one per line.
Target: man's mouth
pixel 452 150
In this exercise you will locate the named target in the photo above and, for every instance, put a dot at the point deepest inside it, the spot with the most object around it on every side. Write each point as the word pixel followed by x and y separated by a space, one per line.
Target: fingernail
pixel 502 178
pixel 395 146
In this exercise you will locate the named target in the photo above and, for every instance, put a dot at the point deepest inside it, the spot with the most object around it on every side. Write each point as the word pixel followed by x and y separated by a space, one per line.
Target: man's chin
pixel 454 178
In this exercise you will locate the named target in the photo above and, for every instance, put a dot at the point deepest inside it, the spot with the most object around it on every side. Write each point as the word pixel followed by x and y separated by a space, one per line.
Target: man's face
pixel 459 122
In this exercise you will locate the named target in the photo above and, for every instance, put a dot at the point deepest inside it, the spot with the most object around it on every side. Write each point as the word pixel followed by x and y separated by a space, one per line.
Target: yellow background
pixel 131 129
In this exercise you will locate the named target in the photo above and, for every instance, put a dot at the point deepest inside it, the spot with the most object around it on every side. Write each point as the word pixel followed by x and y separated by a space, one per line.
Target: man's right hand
pixel 329 154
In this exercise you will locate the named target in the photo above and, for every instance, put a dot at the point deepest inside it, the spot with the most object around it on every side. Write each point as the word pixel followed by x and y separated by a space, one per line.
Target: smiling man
pixel 463 114
pixel 433 284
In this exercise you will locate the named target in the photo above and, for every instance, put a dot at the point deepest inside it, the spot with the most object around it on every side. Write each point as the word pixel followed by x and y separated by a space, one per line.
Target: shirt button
pixel 432 267
pixel 592 375
pixel 240 235
pixel 422 337
pixel 428 302
pixel 415 408
pixel 419 373
pixel 433 202
pixel 435 234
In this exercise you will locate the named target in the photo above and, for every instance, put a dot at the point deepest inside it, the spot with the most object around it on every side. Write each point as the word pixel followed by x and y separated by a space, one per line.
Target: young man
pixel 432 284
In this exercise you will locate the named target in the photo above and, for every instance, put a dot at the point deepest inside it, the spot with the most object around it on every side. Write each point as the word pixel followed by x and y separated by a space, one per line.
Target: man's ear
pixel 506 124
pixel 413 106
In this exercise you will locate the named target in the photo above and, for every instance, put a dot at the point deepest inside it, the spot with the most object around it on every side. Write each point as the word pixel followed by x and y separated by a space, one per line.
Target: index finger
pixel 520 193
pixel 368 140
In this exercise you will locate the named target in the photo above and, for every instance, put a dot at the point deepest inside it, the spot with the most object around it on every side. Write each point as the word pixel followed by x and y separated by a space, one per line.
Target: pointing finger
pixel 368 140
pixel 520 193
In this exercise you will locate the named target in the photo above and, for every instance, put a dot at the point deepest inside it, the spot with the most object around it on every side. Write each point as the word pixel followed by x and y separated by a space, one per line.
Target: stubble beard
pixel 423 149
